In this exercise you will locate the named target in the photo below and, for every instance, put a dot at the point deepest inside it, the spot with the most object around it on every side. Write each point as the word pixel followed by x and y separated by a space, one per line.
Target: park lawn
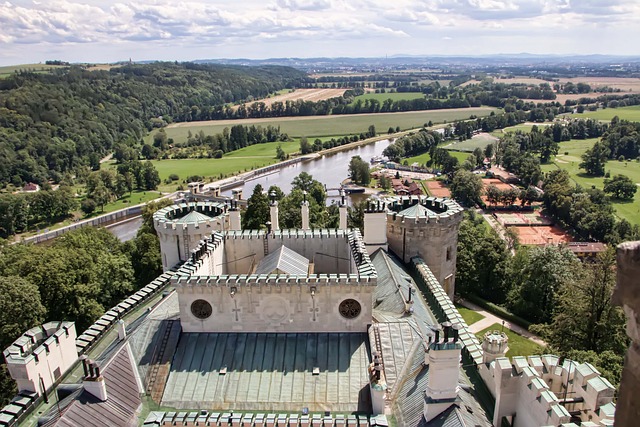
pixel 318 126
pixel 210 168
pixel 526 128
pixel 128 200
pixel 518 345
pixel 266 150
pixel 629 210
pixel 631 113
pixel 478 141
pixel 425 157
pixel 469 315
pixel 394 96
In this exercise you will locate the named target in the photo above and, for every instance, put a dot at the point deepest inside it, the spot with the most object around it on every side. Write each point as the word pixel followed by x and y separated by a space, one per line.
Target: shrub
pixel 88 206
pixel 173 177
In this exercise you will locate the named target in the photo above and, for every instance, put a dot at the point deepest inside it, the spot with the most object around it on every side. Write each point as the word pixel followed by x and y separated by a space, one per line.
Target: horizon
pixel 97 31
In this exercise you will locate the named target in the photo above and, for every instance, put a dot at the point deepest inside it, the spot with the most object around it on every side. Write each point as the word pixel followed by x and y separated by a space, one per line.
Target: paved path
pixel 490 319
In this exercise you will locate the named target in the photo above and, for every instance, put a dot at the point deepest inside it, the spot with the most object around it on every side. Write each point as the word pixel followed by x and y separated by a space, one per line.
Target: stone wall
pixel 627 294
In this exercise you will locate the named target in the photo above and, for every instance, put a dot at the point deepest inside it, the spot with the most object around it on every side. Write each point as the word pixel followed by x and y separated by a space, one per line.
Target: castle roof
pixel 284 261
pixel 417 210
pixel 193 217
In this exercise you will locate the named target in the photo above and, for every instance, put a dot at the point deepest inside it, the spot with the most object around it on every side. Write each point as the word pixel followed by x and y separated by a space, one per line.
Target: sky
pixel 99 31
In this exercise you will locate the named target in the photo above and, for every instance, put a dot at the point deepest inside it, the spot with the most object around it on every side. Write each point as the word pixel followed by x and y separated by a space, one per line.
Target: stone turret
pixel 426 227
pixel 182 227
pixel 494 345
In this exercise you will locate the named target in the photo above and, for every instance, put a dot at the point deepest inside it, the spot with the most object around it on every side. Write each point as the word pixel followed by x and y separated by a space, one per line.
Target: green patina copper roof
pixel 416 211
pixel 193 217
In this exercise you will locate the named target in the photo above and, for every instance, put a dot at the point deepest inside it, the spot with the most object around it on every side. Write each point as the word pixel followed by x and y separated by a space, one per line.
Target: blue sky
pixel 108 31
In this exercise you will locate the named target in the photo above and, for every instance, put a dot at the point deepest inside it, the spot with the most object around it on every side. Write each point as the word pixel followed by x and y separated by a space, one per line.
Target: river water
pixel 330 170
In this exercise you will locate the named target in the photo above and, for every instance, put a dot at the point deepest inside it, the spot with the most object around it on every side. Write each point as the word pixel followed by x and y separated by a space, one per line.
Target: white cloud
pixel 260 28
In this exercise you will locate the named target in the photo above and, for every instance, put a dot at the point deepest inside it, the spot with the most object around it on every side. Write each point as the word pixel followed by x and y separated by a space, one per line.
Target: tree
pixel 536 275
pixel 385 182
pixel 488 151
pixel 315 189
pixel 20 308
pixel 466 187
pixel 359 171
pixel 371 132
pixel 101 195
pixel 493 194
pixel 305 147
pixel 257 213
pixel 280 154
pixel 621 186
pixel 481 261
pixel 594 159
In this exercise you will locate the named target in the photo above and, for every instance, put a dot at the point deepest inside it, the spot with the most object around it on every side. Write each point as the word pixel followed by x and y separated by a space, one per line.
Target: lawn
pixel 570 161
pixel 318 126
pixel 266 150
pixel 518 345
pixel 425 157
pixel 210 168
pixel 394 96
pixel 478 141
pixel 469 315
pixel 624 113
pixel 126 201
pixel 522 128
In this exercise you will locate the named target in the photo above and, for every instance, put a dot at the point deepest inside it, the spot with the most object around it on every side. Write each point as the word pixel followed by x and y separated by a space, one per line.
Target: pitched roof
pixel 285 261
pixel 416 211
pixel 123 399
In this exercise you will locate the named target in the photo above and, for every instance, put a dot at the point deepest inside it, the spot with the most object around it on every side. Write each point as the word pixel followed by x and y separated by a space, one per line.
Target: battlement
pixel 180 217
pixel 254 280
pixel 37 340
pixel 431 210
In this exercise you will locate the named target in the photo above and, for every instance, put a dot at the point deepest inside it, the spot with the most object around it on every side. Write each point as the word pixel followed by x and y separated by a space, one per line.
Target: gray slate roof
pixel 416 211
pixel 193 217
pixel 270 372
pixel 123 399
pixel 283 261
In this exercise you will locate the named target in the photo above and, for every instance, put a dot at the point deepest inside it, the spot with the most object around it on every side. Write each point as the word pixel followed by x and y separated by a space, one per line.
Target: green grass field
pixel 37 68
pixel 319 126
pixel 469 315
pixel 624 113
pixel 394 96
pixel 209 168
pixel 425 157
pixel 478 141
pixel 523 128
pixel 266 150
pixel 631 168
pixel 518 345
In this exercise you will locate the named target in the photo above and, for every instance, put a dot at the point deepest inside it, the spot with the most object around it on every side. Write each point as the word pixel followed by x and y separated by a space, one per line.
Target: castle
pixel 304 327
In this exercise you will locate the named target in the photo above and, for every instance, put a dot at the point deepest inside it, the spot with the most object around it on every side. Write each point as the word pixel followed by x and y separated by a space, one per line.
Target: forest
pixel 54 124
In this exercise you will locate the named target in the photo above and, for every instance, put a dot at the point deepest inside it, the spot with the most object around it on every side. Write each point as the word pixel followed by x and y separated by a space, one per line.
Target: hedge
pixel 499 311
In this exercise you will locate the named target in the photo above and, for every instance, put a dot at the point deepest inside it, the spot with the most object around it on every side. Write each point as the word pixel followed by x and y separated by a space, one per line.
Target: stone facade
pixel 178 238
pixel 42 354
pixel 218 291
pixel 627 294
pixel 432 237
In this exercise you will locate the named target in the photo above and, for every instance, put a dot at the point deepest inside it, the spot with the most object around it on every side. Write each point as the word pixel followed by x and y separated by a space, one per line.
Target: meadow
pixel 425 157
pixel 631 113
pixel 629 210
pixel 394 96
pixel 213 168
pixel 323 126
pixel 8 70
pixel 518 345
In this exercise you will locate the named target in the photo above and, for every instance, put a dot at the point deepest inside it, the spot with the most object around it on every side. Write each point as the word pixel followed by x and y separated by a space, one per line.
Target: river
pixel 330 170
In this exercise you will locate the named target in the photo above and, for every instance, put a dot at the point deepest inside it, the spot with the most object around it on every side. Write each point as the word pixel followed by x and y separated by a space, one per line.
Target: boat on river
pixel 351 189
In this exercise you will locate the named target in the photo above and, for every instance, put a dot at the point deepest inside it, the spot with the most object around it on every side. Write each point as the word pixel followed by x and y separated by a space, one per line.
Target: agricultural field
pixel 570 161
pixel 518 345
pixel 318 126
pixel 8 70
pixel 480 140
pixel 300 94
pixel 624 113
pixel 394 96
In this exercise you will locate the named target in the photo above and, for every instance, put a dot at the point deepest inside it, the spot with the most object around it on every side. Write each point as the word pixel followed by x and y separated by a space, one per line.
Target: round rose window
pixel 350 308
pixel 201 309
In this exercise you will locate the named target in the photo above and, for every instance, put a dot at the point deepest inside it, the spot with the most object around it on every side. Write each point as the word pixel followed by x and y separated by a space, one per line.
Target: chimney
pixel 234 217
pixel 443 359
pixel 305 212
pixel 122 332
pixel 93 381
pixel 274 212
pixel 375 228
pixel 342 209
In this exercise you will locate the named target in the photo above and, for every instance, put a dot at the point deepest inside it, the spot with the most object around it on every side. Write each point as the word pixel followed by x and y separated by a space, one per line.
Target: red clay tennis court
pixel 437 189
pixel 541 235
pixel 493 181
